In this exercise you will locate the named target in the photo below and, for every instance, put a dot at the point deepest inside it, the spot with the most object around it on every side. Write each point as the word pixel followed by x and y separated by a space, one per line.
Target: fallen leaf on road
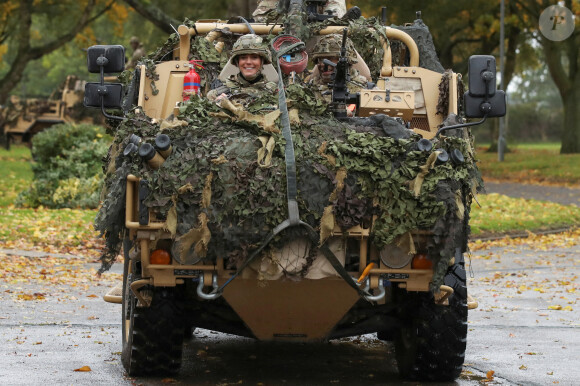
pixel 35 296
pixel 556 307
pixel 523 367
pixel 489 375
pixel 84 368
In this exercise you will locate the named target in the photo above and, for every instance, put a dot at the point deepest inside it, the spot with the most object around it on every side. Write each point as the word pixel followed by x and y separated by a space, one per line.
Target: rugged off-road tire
pixel 152 336
pixel 430 345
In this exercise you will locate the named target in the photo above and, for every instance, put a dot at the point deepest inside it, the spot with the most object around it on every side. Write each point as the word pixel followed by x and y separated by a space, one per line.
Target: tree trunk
pixel 563 60
pixel 154 15
pixel 571 121
pixel 11 79
pixel 26 53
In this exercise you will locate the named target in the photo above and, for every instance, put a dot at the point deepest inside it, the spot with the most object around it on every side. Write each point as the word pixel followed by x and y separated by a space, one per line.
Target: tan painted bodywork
pixel 414 90
pixel 57 112
pixel 305 310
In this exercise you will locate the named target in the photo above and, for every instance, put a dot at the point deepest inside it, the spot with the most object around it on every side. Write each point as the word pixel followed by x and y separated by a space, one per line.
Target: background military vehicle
pixel 23 118
pixel 286 223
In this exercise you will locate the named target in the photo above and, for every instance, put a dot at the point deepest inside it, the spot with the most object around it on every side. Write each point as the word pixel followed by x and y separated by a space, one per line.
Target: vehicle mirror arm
pixel 102 61
pixel 445 128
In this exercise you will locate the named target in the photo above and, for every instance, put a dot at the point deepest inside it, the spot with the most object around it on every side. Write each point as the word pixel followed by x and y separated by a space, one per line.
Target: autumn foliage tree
pixel 461 28
pixel 562 58
pixel 31 29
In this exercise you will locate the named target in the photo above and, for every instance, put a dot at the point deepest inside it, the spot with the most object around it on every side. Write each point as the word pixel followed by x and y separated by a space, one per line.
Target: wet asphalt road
pixel 560 194
pixel 513 333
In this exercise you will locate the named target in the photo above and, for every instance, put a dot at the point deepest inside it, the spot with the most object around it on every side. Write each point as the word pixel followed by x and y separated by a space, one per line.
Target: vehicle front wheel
pixel 431 343
pixel 152 336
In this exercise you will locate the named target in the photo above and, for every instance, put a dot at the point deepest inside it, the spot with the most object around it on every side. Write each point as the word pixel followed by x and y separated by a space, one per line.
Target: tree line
pixel 34 30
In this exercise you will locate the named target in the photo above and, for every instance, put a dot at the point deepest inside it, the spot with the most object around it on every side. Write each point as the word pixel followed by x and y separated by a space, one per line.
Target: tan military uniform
pixel 329 46
pixel 137 54
pixel 242 91
pixel 267 9
pixel 356 83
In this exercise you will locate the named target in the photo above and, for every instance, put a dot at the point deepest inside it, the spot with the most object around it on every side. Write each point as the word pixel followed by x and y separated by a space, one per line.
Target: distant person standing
pixel 138 52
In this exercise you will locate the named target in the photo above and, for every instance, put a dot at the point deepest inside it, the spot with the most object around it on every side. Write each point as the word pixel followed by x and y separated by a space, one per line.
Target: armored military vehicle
pixel 282 218
pixel 23 118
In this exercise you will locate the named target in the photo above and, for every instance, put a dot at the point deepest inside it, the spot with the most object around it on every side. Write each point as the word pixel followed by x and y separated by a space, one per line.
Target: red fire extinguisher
pixel 191 81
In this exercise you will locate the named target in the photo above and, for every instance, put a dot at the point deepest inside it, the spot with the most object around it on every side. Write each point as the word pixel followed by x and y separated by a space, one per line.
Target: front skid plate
pixel 305 310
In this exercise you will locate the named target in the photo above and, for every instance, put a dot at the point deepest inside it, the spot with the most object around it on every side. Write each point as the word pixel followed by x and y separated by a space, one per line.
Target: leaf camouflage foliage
pixel 247 200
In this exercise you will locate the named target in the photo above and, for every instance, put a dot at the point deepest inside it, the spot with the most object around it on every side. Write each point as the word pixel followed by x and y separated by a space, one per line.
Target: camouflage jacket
pixel 267 10
pixel 240 90
pixel 355 84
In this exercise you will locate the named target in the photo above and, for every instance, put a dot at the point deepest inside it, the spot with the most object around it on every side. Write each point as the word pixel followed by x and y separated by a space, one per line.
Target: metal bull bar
pixel 293 213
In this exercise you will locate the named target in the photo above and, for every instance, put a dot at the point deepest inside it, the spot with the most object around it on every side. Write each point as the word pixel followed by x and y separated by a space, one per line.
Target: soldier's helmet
pixel 329 46
pixel 251 44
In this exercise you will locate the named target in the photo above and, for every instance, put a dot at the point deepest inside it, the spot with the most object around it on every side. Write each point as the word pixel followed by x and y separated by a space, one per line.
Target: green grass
pixel 16 173
pixel 498 214
pixel 502 214
pixel 532 163
pixel 58 227
pixel 552 146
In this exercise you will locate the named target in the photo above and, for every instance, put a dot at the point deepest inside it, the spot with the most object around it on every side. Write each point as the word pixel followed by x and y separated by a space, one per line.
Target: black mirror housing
pixel 111 94
pixel 482 75
pixel 114 56
pixel 482 99
pixel 478 107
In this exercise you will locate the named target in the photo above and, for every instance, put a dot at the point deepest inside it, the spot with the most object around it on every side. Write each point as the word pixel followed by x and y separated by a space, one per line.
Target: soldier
pixel 266 11
pixel 250 55
pixel 138 52
pixel 328 47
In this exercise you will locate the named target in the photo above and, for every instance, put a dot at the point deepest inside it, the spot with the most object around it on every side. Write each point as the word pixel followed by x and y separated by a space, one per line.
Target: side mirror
pixel 105 59
pixel 111 94
pixel 478 107
pixel 110 58
pixel 482 75
pixel 482 99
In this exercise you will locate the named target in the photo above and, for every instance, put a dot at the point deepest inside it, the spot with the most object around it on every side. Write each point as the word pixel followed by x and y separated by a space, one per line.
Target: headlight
pixel 189 257
pixel 394 257
pixel 160 256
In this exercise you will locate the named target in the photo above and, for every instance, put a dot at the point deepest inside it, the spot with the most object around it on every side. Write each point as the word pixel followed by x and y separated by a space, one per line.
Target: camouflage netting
pixel 223 188
pixel 217 168
pixel 427 55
